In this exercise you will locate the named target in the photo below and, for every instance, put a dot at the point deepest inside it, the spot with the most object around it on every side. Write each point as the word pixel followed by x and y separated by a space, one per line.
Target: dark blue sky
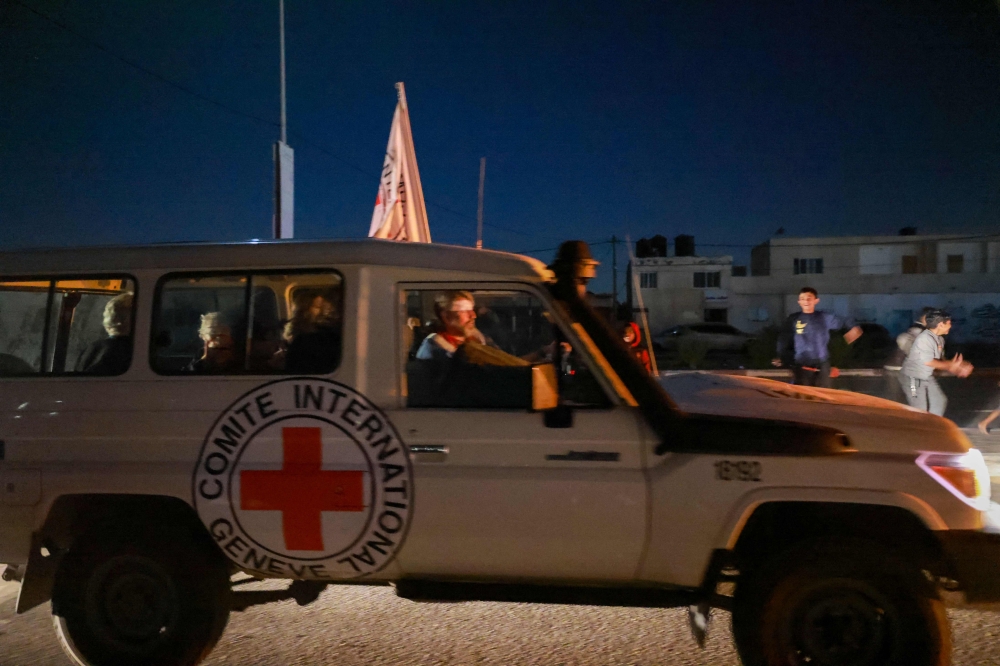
pixel 722 120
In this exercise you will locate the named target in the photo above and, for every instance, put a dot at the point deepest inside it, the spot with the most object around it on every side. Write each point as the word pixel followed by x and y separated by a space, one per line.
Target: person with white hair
pixel 218 353
pixel 113 354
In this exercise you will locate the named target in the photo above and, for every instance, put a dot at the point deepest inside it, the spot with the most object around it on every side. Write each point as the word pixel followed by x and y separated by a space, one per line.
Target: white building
pixel 682 290
pixel 880 279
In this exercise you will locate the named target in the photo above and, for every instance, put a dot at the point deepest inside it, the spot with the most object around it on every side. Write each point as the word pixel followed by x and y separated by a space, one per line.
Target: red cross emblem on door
pixel 302 491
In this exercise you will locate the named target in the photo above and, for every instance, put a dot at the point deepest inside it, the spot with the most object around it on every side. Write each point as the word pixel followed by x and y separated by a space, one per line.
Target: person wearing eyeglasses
pixel 218 353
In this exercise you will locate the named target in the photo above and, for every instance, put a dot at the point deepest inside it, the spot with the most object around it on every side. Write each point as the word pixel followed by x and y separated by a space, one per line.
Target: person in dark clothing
pixel 632 339
pixel 113 354
pixel 313 336
pixel 802 343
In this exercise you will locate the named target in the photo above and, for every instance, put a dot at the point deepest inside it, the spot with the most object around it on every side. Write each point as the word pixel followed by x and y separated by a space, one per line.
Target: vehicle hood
pixel 872 424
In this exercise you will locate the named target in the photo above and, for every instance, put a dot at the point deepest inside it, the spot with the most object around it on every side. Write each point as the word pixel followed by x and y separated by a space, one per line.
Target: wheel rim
pixel 841 623
pixel 132 603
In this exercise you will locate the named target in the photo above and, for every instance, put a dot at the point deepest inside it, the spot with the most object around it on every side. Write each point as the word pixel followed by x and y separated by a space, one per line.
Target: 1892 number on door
pixel 738 470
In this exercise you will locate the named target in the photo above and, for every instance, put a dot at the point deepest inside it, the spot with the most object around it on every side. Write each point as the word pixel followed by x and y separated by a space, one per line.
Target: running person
pixel 803 340
pixel 927 355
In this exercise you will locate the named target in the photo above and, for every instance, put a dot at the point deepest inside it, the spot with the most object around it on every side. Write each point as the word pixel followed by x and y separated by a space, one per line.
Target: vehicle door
pixel 499 490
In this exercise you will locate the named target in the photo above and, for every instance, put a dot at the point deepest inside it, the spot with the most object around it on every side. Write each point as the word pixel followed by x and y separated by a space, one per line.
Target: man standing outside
pixel 927 355
pixel 803 340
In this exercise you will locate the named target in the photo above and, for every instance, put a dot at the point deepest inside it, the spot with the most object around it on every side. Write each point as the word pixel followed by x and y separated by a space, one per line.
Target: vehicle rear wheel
pixel 831 604
pixel 145 601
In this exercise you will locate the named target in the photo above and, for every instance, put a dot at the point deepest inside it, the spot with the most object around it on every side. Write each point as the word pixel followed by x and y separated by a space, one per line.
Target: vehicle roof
pixel 269 254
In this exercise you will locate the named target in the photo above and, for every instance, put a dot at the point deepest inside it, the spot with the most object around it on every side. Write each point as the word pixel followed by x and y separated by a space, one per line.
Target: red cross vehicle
pixel 301 490
pixel 460 424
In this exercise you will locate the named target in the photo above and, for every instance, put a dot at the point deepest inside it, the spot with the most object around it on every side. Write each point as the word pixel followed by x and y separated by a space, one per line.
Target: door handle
pixel 586 456
pixel 429 452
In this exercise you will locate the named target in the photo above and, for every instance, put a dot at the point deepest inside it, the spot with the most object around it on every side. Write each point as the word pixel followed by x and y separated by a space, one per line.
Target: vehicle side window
pixel 263 323
pixel 66 326
pixel 475 348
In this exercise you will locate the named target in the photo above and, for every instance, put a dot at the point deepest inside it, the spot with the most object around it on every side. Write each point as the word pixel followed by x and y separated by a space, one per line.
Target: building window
pixel 956 263
pixel 707 280
pixel 647 280
pixel 910 264
pixel 808 266
pixel 739 271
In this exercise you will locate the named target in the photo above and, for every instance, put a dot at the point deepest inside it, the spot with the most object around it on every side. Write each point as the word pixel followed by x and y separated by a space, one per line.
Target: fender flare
pixel 737 519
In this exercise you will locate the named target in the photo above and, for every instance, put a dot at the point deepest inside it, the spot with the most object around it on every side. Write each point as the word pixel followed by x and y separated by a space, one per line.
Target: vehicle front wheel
pixel 829 604
pixel 142 601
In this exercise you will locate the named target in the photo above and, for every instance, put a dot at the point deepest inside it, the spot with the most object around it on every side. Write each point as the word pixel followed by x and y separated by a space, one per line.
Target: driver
pixel 457 312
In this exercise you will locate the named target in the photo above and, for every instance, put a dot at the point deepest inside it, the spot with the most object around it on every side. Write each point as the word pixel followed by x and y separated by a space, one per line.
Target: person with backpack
pixel 892 366
pixel 927 355
pixel 905 340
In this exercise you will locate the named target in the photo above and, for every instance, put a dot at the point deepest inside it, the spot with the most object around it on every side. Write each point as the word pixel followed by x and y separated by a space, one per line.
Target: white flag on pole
pixel 400 213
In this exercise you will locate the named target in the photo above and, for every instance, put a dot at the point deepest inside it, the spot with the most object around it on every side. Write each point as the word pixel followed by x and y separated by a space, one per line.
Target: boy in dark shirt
pixel 803 340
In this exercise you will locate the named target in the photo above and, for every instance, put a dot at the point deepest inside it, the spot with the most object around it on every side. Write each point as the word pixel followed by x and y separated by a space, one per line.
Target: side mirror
pixel 544 387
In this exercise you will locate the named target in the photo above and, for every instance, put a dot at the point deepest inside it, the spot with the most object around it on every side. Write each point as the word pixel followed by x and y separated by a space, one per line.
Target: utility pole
pixel 479 213
pixel 614 279
pixel 284 157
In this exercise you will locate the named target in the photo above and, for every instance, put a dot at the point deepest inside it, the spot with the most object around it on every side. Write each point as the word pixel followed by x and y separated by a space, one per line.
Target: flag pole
pixel 479 213
pixel 281 33
pixel 284 157
pixel 417 223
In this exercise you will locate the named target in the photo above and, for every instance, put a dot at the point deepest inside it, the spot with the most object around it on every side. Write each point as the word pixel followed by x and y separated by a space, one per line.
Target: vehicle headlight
pixel 965 475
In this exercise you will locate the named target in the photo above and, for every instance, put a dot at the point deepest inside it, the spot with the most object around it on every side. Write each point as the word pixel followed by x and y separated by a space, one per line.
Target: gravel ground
pixel 371 626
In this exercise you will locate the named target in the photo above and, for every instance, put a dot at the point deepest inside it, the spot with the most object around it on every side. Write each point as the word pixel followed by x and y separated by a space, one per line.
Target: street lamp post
pixel 284 157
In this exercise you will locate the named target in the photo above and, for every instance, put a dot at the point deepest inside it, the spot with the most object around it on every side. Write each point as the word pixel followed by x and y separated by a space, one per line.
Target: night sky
pixel 722 120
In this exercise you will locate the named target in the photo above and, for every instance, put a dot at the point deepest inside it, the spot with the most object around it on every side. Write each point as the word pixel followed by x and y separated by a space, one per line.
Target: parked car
pixel 718 336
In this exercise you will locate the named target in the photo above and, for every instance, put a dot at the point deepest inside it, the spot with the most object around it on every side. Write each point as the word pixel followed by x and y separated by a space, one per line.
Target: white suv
pixel 458 423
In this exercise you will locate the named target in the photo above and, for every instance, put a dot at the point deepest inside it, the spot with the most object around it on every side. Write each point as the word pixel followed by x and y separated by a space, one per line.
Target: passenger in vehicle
pixel 313 335
pixel 218 350
pixel 113 354
pixel 457 312
pixel 454 368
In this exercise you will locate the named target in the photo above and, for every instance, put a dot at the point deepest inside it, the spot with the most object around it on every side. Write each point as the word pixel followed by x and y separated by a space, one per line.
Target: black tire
pixel 145 600
pixel 830 603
